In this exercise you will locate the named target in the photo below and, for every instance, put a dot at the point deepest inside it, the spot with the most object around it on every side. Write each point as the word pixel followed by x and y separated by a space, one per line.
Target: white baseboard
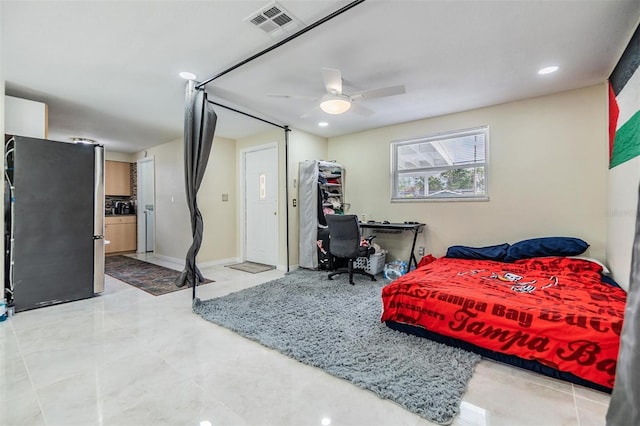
pixel 180 262
pixel 219 262
pixel 200 265
pixel 170 259
pixel 283 268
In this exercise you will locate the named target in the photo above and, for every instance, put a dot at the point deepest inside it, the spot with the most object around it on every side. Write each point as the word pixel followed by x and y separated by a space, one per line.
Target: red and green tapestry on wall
pixel 626 144
pixel 624 105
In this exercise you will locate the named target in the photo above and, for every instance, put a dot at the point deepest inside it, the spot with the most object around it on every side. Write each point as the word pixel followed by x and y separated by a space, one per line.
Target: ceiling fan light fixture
pixel 335 105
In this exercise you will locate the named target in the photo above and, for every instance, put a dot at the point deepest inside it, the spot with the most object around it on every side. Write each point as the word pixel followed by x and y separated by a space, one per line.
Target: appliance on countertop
pixel 61 260
pixel 118 207
pixel 123 207
pixel 128 208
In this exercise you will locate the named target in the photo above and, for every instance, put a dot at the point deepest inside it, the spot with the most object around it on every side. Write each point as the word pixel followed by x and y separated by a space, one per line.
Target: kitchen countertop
pixel 114 215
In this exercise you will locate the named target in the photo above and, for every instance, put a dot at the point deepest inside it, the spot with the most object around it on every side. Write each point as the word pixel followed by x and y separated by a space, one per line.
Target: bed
pixel 556 315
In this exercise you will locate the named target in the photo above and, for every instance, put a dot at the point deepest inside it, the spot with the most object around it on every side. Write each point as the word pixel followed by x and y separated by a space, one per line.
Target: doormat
pixel 153 279
pixel 251 267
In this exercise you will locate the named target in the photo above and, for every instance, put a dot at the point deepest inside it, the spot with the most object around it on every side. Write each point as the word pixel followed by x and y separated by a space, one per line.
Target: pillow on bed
pixel 497 252
pixel 608 280
pixel 546 246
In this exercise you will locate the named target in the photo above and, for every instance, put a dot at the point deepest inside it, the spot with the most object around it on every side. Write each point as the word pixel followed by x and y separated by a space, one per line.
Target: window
pixel 447 166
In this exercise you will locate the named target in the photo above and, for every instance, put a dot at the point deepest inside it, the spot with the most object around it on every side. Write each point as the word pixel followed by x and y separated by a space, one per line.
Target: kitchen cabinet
pixel 25 118
pixel 121 232
pixel 117 178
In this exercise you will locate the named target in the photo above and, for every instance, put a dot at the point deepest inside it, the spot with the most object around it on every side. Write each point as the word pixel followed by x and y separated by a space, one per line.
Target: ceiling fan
pixel 335 101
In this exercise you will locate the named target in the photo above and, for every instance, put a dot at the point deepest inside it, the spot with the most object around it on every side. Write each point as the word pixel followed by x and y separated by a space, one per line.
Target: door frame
pixel 242 204
pixel 141 227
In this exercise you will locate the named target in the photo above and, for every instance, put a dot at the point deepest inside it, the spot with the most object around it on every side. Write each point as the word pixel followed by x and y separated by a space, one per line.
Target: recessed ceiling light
pixel 83 140
pixel 548 70
pixel 323 124
pixel 188 75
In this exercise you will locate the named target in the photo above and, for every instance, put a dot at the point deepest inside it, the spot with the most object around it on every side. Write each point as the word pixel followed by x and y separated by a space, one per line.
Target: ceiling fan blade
pixel 360 110
pixel 285 96
pixel 332 80
pixel 379 93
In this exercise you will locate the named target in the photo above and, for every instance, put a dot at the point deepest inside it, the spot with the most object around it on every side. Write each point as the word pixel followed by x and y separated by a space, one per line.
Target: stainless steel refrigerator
pixel 56 243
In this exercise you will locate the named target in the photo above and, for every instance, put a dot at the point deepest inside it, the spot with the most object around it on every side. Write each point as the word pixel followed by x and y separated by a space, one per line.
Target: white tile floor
pixel 129 358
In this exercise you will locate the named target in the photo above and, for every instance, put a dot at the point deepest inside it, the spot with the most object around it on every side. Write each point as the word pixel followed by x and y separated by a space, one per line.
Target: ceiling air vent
pixel 274 20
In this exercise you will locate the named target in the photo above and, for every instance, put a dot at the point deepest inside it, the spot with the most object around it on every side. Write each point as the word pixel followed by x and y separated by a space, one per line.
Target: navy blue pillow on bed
pixel 497 252
pixel 546 246
pixel 608 280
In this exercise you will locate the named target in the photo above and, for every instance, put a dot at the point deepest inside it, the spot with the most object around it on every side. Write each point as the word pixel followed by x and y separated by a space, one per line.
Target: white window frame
pixel 395 173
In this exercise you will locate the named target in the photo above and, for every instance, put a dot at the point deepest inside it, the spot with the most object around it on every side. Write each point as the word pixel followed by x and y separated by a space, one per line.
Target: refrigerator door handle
pixel 98 221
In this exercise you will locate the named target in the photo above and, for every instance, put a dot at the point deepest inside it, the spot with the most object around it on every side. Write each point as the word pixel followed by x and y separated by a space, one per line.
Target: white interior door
pixel 261 205
pixel 146 205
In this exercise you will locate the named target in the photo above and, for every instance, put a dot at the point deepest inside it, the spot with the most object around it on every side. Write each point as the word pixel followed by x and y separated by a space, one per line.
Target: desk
pixel 416 228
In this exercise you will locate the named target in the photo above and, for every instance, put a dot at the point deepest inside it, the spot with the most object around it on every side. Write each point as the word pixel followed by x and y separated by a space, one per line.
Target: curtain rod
pixel 285 128
pixel 281 42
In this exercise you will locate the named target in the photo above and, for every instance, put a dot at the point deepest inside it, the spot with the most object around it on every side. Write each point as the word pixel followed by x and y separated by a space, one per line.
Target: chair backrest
pixel 344 235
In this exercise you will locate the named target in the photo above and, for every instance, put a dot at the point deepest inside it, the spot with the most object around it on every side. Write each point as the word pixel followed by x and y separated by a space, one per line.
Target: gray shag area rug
pixel 335 326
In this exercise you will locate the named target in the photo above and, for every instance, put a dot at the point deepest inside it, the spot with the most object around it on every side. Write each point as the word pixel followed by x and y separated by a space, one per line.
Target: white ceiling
pixel 109 70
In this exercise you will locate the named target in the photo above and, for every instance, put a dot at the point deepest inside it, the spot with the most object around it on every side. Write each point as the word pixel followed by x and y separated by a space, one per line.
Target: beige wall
pixel 120 156
pixel 621 219
pixel 220 217
pixel 547 175
pixel 173 225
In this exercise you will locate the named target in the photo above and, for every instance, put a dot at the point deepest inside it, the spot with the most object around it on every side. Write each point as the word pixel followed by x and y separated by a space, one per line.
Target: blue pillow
pixel 547 246
pixel 608 280
pixel 497 252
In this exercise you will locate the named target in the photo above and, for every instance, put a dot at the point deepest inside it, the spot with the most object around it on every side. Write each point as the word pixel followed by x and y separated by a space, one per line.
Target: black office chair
pixel 344 242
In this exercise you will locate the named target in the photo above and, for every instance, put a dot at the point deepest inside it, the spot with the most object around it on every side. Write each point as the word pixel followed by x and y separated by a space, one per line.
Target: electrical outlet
pixel 420 251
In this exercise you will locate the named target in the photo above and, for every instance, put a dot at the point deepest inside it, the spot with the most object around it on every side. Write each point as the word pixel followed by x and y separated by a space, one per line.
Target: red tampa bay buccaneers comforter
pixel 554 310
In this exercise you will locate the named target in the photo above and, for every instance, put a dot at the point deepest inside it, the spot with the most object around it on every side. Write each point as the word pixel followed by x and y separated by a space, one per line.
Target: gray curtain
pixel 199 128
pixel 624 408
